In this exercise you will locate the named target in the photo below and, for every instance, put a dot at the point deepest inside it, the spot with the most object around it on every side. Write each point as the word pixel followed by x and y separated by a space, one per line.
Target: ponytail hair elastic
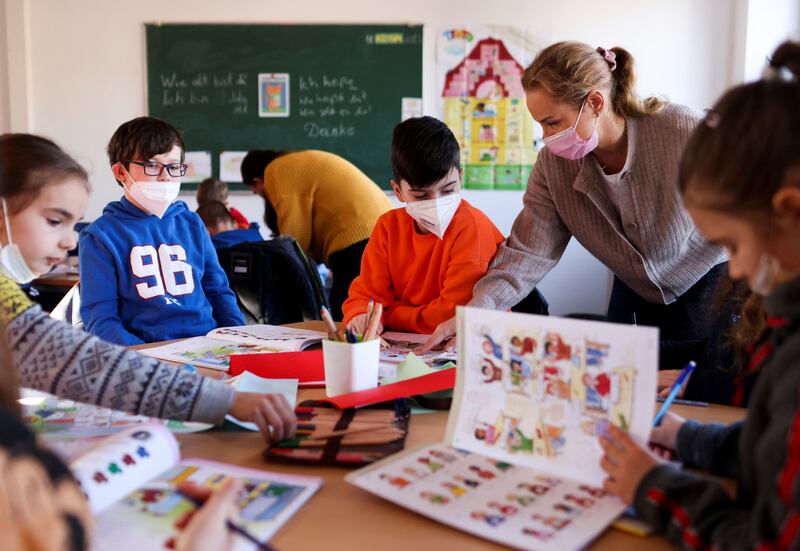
pixel 609 56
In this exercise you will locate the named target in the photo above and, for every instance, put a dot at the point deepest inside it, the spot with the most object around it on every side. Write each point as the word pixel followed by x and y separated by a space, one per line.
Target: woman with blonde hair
pixel 607 177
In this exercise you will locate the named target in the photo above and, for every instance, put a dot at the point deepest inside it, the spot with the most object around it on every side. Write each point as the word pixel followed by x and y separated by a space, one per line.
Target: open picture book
pixel 520 463
pixel 130 480
pixel 71 428
pixel 214 350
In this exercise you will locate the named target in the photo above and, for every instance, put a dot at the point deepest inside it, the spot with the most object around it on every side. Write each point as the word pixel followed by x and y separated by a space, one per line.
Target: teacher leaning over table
pixel 607 177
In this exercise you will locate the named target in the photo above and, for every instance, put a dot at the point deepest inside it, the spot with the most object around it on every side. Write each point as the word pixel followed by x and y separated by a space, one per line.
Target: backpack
pixel 274 281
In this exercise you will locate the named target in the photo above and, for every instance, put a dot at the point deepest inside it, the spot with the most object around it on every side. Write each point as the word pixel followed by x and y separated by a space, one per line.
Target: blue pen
pixel 676 386
pixel 190 368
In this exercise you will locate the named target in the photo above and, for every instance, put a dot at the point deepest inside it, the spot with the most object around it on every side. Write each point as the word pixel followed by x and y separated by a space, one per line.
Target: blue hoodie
pixel 146 279
pixel 234 237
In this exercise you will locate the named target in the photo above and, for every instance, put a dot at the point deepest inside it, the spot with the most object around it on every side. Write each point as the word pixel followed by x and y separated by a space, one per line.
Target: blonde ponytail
pixel 569 71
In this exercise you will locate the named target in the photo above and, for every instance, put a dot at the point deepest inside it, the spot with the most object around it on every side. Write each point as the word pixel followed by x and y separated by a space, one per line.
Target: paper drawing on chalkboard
pixel 230 163
pixel 273 95
pixel 411 107
pixel 199 166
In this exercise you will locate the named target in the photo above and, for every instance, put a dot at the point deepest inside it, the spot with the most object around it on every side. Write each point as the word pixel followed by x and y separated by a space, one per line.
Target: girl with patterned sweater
pixel 43 192
pixel 37 489
pixel 740 181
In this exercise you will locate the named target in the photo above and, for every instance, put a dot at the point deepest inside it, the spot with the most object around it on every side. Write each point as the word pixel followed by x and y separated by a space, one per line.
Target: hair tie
pixel 609 56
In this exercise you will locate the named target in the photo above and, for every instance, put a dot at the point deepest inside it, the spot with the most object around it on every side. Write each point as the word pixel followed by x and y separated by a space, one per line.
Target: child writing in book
pixel 422 261
pixel 38 491
pixel 740 180
pixel 148 269
pixel 43 192
pixel 214 189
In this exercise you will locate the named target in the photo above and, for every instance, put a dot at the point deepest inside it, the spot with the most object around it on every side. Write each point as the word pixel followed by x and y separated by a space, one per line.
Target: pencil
pixel 333 333
pixel 673 393
pixel 372 329
pixel 348 432
pixel 370 308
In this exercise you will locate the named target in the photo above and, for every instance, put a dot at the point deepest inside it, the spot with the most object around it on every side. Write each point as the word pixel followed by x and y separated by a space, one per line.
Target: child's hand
pixel 446 331
pixel 271 412
pixel 666 379
pixel 359 325
pixel 207 527
pixel 625 462
pixel 666 434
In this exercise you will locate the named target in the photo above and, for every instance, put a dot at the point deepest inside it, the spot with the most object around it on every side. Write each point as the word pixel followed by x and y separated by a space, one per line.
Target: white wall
pixel 86 67
pixel 4 104
pixel 769 22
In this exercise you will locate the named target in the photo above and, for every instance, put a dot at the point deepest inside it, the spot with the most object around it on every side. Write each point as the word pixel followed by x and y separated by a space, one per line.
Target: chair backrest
pixel 69 308
pixel 274 281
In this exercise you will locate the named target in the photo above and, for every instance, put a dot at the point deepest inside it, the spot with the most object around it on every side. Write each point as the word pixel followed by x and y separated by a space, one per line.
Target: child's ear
pixel 397 192
pixel 786 204
pixel 118 171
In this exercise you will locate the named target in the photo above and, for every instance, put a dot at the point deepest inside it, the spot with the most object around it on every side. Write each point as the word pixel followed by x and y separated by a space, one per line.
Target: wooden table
pixel 61 280
pixel 341 516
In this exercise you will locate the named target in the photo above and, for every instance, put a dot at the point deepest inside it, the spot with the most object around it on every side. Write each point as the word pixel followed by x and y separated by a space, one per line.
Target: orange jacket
pixel 420 279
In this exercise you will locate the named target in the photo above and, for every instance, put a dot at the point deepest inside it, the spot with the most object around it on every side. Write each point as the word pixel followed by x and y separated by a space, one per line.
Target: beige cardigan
pixel 568 198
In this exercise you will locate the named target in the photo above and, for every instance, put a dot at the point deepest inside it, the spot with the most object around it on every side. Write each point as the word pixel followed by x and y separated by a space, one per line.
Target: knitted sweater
pixel 654 248
pixel 762 453
pixel 54 357
pixel 420 279
pixel 323 201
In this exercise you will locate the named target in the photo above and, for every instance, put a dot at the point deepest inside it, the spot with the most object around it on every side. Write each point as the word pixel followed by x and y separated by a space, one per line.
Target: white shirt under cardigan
pixel 649 242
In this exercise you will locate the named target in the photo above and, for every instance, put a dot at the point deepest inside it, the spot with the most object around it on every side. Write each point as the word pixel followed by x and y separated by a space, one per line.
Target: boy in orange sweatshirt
pixel 422 261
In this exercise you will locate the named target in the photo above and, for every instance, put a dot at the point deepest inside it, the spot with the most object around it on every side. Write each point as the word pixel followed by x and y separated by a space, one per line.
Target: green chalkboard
pixel 338 88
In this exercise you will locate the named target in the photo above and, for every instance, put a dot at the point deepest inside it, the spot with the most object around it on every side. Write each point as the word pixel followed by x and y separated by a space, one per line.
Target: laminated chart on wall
pixel 482 101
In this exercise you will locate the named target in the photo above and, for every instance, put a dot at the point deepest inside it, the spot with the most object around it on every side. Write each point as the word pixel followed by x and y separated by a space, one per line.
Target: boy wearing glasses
pixel 148 269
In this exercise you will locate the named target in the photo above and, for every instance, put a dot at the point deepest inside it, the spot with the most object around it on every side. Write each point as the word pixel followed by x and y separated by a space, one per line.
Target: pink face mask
pixel 568 145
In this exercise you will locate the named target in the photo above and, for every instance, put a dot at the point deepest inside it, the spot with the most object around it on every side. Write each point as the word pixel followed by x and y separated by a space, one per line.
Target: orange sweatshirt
pixel 420 279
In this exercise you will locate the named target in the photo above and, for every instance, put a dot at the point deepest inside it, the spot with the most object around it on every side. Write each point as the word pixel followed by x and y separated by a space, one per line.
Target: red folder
pixel 433 382
pixel 308 368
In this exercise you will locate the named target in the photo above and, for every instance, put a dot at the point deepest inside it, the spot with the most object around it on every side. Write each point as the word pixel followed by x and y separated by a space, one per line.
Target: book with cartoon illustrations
pixel 520 462
pixel 215 348
pixel 130 481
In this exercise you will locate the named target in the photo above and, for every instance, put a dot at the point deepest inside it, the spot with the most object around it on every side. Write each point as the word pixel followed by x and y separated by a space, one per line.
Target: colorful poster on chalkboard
pixel 273 95
pixel 482 101
pixel 198 166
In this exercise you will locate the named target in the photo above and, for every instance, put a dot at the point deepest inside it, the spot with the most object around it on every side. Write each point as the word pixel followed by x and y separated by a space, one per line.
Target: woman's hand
pixel 625 462
pixel 270 412
pixel 666 379
pixel 207 527
pixel 446 331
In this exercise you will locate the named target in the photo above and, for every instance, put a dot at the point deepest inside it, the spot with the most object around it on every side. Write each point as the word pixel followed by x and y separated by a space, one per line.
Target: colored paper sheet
pixel 306 367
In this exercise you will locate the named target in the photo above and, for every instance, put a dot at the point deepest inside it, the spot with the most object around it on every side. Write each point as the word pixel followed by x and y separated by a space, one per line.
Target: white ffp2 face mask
pixel 12 263
pixel 153 196
pixel 435 215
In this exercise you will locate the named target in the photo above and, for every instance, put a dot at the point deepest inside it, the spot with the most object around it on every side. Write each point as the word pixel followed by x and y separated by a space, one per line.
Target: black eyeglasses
pixel 154 168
